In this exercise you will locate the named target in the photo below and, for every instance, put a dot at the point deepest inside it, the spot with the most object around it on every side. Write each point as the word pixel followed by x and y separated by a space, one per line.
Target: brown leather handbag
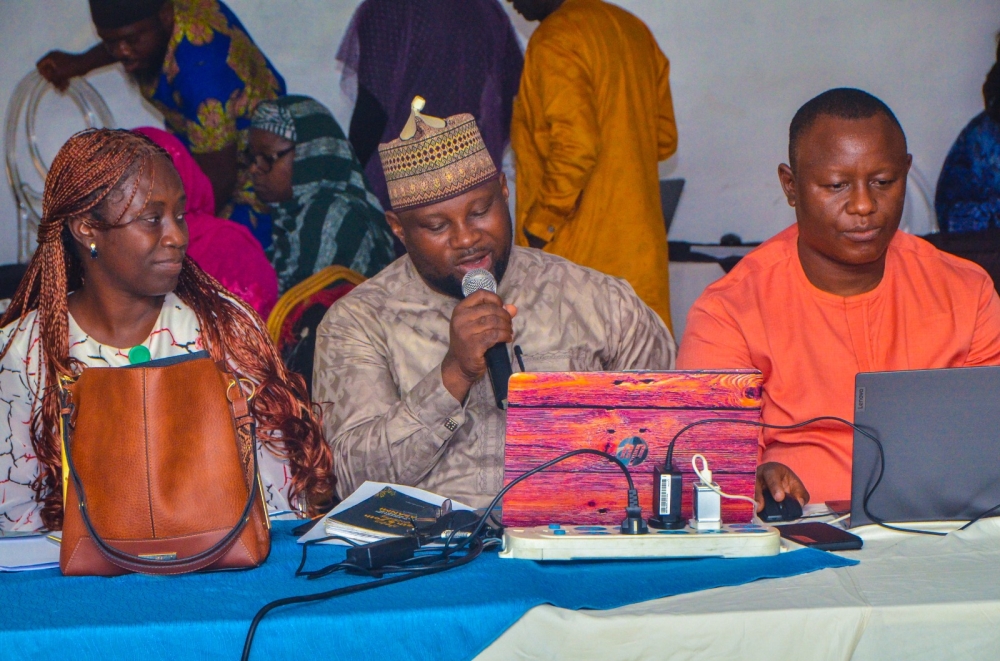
pixel 161 464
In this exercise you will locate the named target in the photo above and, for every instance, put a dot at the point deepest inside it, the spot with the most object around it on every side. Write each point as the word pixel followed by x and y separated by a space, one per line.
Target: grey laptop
pixel 940 430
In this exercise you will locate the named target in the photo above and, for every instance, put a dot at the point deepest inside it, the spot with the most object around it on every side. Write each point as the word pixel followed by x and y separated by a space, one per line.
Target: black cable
pixel 496 523
pixel 307 544
pixel 868 493
pixel 754 423
pixel 520 357
pixel 442 561
pixel 423 558
pixel 435 562
pixel 982 515
pixel 520 478
pixel 349 589
pixel 538 469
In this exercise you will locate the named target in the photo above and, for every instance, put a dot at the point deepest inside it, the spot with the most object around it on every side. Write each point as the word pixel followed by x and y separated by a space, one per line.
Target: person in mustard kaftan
pixel 592 119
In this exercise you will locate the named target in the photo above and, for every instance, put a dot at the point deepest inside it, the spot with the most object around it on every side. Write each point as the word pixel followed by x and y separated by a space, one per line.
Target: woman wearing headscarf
pixel 226 250
pixel 323 210
pixel 110 285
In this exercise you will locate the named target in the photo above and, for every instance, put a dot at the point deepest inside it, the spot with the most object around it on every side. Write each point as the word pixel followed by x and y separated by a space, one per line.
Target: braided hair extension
pixel 287 423
pixel 89 167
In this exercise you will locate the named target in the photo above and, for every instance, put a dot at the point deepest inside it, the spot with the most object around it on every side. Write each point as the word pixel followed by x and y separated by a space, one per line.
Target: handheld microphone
pixel 497 358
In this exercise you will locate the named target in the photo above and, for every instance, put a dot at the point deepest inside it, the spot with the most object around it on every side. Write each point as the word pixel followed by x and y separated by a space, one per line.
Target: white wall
pixel 739 72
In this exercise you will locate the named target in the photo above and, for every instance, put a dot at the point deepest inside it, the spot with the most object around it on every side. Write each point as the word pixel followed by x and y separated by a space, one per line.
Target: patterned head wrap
pixel 333 217
pixel 114 14
pixel 434 159
pixel 274 118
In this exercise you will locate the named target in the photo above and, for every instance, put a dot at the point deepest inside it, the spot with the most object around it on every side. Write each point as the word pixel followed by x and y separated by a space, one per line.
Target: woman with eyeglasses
pixel 322 207
pixel 111 284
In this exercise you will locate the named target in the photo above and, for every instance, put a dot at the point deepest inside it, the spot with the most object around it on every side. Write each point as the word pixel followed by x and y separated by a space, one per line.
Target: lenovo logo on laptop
pixel 859 401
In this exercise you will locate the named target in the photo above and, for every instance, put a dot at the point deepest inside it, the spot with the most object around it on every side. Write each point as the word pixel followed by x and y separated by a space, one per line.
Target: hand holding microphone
pixel 481 327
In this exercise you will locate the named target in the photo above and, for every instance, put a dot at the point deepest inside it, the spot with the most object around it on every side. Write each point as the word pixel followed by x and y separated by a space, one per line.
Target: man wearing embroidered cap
pixel 400 365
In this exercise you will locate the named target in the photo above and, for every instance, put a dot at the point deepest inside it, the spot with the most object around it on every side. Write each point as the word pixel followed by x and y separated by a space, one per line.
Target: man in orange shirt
pixel 839 292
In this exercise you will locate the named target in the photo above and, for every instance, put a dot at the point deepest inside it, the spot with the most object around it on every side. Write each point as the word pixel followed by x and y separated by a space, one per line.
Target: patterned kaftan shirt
pixel 175 333
pixel 213 77
pixel 377 374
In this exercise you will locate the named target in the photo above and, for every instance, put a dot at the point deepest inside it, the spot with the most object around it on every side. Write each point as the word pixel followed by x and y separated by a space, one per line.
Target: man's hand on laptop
pixel 781 481
pixel 478 322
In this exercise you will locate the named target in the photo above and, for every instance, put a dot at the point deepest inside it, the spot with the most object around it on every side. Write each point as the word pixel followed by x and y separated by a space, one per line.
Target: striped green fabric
pixel 333 217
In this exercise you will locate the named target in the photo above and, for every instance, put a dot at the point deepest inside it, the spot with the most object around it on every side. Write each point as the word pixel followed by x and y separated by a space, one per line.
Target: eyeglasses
pixel 264 162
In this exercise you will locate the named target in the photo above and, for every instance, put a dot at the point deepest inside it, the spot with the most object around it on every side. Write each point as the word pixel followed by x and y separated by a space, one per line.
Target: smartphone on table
pixel 822 536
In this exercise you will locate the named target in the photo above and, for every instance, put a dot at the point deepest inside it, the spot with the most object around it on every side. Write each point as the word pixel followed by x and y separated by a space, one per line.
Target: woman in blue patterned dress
pixel 194 62
pixel 968 190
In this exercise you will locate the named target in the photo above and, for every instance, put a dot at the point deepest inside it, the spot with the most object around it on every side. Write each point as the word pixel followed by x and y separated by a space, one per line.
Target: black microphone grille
pixel 477 279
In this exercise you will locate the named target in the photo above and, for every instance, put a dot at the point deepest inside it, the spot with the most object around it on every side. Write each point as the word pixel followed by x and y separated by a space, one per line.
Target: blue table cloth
pixel 449 616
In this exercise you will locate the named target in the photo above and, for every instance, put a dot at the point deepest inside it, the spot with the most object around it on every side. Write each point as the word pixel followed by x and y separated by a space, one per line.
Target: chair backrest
pixel 10 278
pixel 919 216
pixel 293 321
pixel 981 247
pixel 670 197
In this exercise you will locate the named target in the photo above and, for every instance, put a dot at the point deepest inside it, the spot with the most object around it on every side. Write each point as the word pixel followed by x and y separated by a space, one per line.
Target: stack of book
pixel 387 513
pixel 379 510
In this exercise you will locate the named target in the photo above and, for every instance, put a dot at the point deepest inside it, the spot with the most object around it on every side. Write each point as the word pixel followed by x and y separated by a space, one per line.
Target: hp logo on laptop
pixel 632 451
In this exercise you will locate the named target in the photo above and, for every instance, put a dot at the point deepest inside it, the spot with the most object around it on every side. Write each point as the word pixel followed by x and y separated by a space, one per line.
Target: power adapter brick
pixel 383 552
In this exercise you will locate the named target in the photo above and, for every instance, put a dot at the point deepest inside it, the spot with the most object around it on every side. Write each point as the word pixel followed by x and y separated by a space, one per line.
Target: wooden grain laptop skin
pixel 632 415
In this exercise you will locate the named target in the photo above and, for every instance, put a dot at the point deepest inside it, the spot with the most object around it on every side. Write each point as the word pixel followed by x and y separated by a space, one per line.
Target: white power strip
pixel 558 542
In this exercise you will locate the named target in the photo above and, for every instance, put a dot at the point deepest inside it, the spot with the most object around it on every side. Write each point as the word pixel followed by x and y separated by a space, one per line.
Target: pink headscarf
pixel 224 249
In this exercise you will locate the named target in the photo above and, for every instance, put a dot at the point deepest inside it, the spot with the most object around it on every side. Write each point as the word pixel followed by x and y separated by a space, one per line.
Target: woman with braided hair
pixel 110 285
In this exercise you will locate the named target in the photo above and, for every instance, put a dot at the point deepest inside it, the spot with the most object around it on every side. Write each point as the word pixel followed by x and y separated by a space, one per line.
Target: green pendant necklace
pixel 138 354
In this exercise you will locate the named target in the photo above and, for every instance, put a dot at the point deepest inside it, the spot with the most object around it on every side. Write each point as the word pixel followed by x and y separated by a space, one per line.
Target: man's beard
pixel 147 78
pixel 452 285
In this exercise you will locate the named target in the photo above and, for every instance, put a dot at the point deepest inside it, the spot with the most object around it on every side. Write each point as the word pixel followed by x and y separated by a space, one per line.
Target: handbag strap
pixel 245 426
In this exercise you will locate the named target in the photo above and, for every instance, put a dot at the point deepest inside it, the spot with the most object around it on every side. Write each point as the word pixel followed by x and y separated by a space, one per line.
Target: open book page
pixel 363 493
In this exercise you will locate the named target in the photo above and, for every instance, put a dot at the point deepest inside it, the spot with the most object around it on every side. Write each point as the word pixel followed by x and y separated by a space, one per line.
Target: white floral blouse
pixel 176 332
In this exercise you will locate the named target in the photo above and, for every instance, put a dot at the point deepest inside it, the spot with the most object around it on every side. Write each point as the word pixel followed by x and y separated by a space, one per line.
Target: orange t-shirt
pixel 931 310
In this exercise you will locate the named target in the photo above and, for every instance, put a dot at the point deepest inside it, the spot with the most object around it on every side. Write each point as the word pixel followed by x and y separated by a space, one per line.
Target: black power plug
pixel 633 524
pixel 668 485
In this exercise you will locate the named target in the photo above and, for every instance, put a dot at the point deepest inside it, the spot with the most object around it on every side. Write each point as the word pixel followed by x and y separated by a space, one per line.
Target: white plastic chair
pixel 919 216
pixel 24 102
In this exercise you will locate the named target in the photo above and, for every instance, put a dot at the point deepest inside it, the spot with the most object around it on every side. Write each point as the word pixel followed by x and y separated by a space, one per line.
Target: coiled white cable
pixel 705 475
pixel 25 100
